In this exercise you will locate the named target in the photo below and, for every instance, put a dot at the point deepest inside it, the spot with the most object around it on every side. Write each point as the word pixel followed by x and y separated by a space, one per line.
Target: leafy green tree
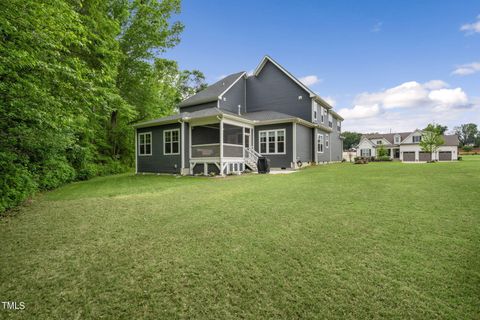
pixel 381 151
pixel 431 140
pixel 74 75
pixel 351 140
pixel 436 128
pixel 467 133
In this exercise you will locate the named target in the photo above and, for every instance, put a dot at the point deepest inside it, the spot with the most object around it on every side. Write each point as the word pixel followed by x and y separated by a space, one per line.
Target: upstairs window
pixel 416 139
pixel 314 112
pixel 323 113
pixel 339 125
pixel 330 120
pixel 320 143
pixel 379 141
pixel 327 141
pixel 171 144
pixel 272 141
pixel 145 144
pixel 397 139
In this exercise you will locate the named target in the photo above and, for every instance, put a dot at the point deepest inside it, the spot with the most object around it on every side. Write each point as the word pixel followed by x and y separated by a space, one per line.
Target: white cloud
pixel 360 112
pixel 407 106
pixel 471 28
pixel 466 69
pixel 377 27
pixel 310 80
pixel 331 101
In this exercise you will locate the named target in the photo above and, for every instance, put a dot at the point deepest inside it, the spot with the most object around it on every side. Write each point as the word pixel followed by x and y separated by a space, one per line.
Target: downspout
pixel 136 151
pixel 182 145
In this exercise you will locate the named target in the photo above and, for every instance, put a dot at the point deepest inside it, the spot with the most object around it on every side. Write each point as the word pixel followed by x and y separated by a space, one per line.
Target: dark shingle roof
pixel 388 136
pixel 450 140
pixel 266 115
pixel 211 92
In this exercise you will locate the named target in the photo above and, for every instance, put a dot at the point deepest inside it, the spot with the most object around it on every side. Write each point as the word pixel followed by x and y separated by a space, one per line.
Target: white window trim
pixel 276 142
pixel 315 112
pixel 330 120
pixel 369 152
pixel 327 141
pixel 139 144
pixel 339 125
pixel 322 143
pixel 323 113
pixel 171 142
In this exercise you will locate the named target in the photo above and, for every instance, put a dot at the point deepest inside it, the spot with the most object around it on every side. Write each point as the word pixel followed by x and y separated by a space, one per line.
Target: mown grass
pixel 383 240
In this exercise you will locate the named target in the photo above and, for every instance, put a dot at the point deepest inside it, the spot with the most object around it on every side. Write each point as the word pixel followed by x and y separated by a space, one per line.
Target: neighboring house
pixel 227 126
pixel 405 146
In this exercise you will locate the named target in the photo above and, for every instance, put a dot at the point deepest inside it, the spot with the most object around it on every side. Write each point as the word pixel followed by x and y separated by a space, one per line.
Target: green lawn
pixel 383 240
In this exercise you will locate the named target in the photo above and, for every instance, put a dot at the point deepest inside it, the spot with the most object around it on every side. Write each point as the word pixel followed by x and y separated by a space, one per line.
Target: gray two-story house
pixel 227 126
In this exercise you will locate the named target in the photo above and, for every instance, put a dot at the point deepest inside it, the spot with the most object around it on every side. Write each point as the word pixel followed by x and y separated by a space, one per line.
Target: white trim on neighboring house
pixel 411 134
pixel 136 151
pixel 151 144
pixel 276 141
pixel 171 142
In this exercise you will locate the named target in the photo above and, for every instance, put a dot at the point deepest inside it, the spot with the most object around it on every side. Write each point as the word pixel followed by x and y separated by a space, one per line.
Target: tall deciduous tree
pixel 351 139
pixel 467 133
pixel 436 128
pixel 431 139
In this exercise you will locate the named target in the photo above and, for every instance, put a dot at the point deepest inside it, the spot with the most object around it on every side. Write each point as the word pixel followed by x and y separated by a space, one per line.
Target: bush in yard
pixel 383 158
pixel 467 148
pixel 17 183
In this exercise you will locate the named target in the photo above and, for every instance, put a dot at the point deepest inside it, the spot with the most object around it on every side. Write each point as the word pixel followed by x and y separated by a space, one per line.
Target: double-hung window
pixel 272 141
pixel 315 108
pixel 339 125
pixel 323 112
pixel 330 120
pixel 320 143
pixel 365 152
pixel 171 144
pixel 145 144
pixel 416 139
pixel 327 141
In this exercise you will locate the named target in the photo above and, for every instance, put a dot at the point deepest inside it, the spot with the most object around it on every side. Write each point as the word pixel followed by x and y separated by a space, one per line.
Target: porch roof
pixel 253 118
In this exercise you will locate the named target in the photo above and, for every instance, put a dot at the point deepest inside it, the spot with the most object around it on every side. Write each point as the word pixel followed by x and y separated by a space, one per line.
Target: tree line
pixel 468 135
pixel 74 76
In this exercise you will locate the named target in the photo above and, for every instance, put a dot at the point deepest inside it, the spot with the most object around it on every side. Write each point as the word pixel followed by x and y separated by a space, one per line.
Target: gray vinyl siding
pixel 325 156
pixel 278 160
pixel 158 162
pixel 198 107
pixel 304 143
pixel 335 143
pixel 235 96
pixel 274 90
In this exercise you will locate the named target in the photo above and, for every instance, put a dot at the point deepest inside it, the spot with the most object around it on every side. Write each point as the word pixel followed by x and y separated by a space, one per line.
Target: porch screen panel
pixel 232 134
pixel 206 134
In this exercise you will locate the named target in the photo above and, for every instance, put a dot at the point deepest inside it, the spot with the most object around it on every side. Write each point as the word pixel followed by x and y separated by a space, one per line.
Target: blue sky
pixel 385 65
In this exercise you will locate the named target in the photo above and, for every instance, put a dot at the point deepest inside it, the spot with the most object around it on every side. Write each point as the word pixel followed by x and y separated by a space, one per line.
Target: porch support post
pixel 221 146
pixel 294 145
pixel 315 145
pixel 136 152
pixel 182 142
pixel 190 146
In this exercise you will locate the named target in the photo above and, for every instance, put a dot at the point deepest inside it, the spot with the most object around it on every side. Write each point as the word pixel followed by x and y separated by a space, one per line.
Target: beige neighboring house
pixel 405 146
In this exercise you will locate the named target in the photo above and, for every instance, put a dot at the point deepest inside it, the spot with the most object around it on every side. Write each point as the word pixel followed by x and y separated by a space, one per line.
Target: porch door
pixel 247 138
